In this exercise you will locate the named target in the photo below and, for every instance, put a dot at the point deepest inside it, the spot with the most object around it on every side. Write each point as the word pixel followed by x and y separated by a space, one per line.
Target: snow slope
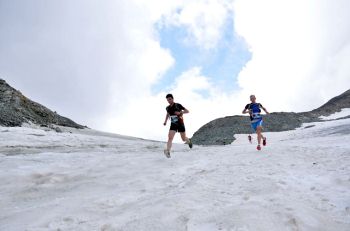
pixel 89 180
pixel 343 113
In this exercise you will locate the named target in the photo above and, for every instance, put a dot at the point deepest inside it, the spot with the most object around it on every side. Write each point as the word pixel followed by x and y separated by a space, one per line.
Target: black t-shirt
pixel 176 107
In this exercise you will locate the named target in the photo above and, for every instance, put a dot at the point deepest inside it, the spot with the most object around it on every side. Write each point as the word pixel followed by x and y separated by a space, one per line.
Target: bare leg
pixel 184 137
pixel 259 133
pixel 170 139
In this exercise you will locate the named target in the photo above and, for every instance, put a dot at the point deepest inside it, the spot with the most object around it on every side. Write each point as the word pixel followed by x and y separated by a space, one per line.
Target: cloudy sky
pixel 109 64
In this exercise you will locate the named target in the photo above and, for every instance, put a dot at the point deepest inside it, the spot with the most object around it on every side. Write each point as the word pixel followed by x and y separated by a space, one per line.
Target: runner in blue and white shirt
pixel 254 110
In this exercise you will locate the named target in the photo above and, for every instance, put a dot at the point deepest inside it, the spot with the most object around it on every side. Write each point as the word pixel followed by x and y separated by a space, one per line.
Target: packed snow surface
pixel 89 180
pixel 343 113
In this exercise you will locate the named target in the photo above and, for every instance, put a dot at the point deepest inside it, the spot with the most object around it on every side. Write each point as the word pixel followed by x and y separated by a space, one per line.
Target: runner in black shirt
pixel 175 112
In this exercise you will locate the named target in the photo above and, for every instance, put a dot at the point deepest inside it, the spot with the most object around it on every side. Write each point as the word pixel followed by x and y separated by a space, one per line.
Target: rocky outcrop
pixel 16 109
pixel 221 131
pixel 334 105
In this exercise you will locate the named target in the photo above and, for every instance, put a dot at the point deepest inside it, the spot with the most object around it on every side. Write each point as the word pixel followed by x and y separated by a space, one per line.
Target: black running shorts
pixel 177 127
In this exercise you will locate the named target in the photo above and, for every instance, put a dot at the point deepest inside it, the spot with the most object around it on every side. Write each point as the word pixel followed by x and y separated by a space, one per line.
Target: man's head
pixel 169 98
pixel 252 98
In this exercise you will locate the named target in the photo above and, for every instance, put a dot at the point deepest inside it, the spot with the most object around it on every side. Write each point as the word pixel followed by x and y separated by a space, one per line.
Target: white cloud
pixel 84 59
pixel 285 71
pixel 96 62
pixel 299 50
pixel 148 113
pixel 204 21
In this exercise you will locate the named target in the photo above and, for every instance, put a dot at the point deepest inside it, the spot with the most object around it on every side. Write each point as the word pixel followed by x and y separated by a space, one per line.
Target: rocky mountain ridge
pixel 221 131
pixel 16 109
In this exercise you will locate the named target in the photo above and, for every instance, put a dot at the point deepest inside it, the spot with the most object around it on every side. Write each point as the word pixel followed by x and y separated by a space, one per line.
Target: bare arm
pixel 265 110
pixel 183 111
pixel 247 110
pixel 166 118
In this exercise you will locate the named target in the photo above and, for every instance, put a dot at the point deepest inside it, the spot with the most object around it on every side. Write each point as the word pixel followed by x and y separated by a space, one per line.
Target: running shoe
pixel 189 142
pixel 167 153
pixel 264 141
pixel 258 147
pixel 250 138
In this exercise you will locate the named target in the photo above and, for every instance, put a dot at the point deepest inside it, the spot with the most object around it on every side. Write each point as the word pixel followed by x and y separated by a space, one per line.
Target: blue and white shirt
pixel 254 111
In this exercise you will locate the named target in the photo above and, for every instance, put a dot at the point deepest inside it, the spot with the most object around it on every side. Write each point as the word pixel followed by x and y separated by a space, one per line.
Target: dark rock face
pixel 16 109
pixel 334 105
pixel 221 131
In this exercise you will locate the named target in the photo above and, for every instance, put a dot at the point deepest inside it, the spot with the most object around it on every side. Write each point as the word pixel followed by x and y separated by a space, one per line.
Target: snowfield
pixel 90 180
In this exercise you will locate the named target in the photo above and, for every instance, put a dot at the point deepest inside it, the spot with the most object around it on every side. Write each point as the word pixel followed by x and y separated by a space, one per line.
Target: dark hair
pixel 169 95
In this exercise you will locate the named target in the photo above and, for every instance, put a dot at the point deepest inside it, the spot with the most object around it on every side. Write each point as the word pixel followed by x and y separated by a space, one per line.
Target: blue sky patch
pixel 220 64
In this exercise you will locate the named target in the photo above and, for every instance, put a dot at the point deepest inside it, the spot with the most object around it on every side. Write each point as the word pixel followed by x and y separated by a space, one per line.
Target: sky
pixel 109 64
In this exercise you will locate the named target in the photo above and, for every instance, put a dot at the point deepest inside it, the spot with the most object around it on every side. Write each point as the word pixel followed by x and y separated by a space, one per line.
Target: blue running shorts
pixel 256 123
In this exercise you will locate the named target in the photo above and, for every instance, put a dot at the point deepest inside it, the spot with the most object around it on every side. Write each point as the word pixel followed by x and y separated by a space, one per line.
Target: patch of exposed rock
pixel 16 109
pixel 334 105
